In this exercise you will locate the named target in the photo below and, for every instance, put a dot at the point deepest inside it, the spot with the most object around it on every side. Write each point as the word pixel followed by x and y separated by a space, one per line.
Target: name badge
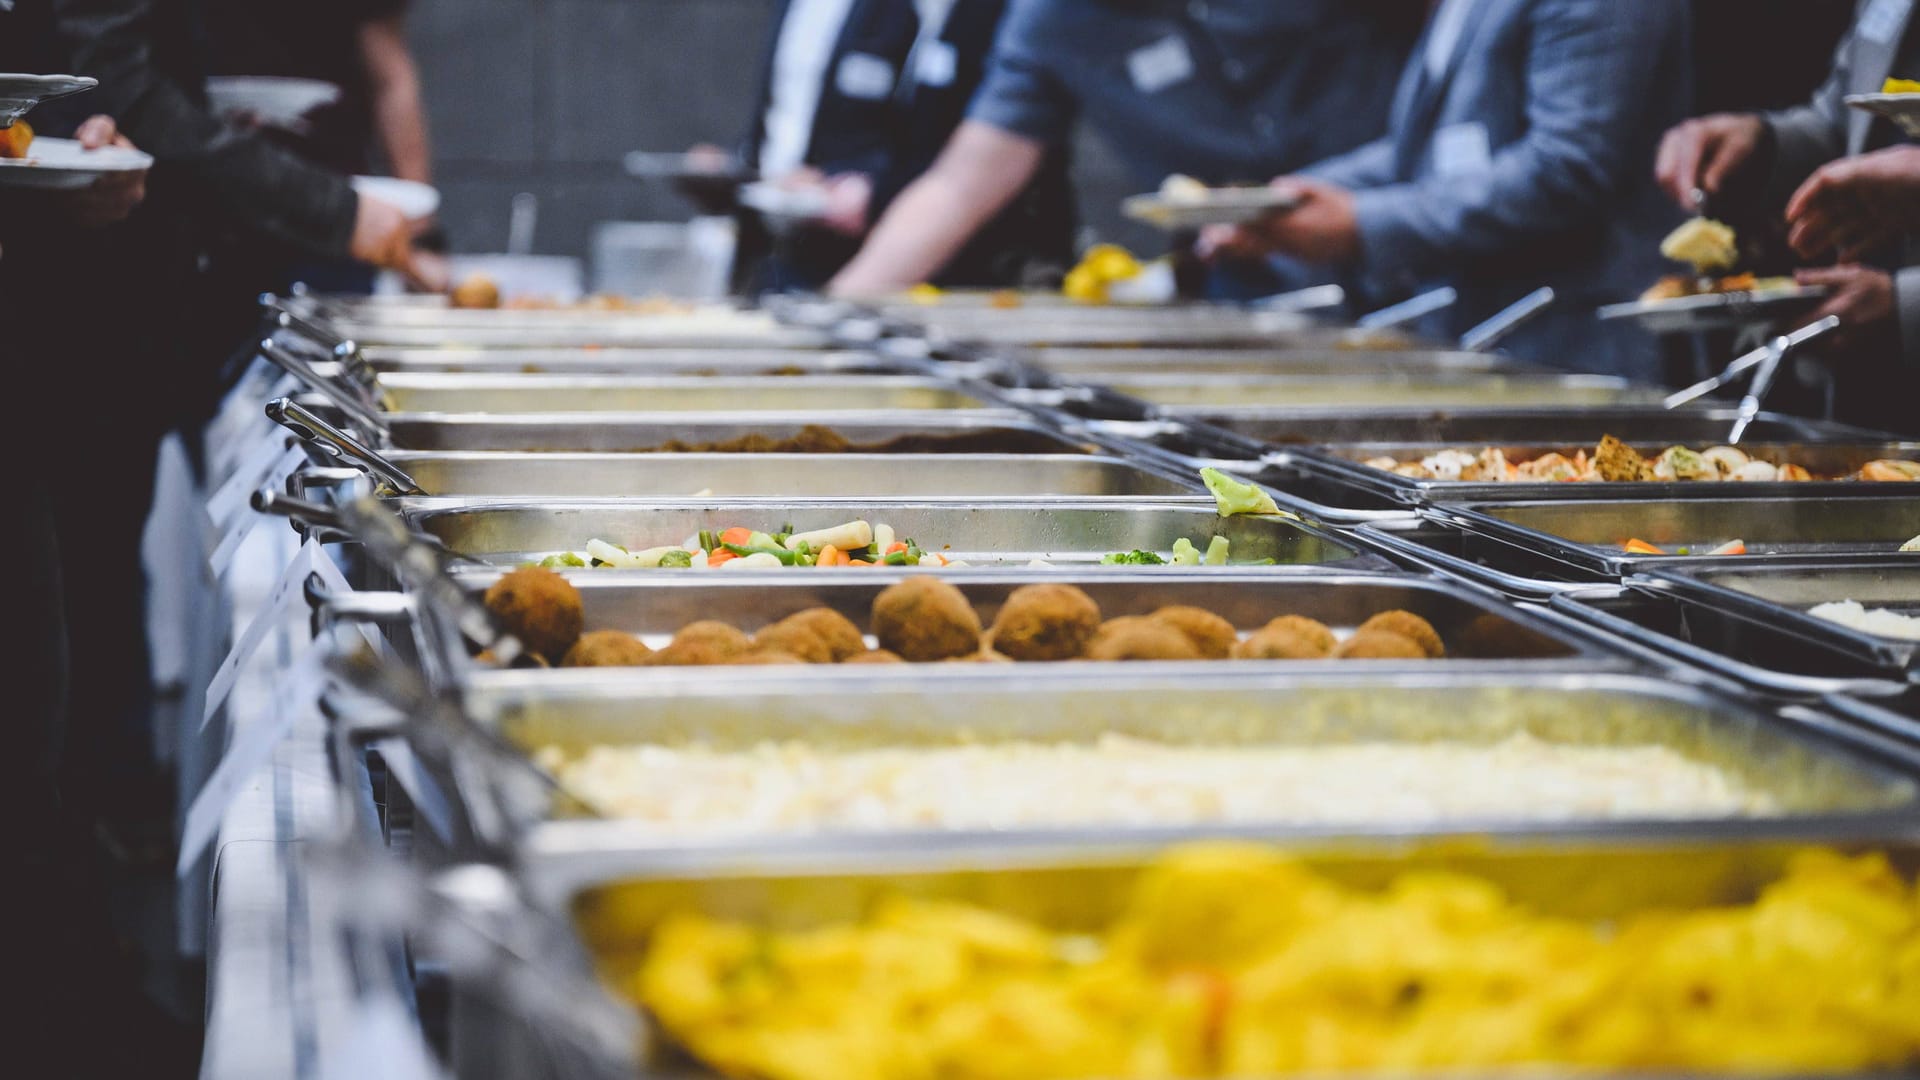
pixel 1164 63
pixel 937 64
pixel 1462 150
pixel 1883 20
pixel 864 77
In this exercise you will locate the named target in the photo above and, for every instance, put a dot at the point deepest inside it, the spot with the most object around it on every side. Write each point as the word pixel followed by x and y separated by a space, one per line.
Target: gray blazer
pixel 1527 163
pixel 1825 130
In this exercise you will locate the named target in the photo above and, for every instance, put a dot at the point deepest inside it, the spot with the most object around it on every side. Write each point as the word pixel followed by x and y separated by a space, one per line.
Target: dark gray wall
pixel 547 95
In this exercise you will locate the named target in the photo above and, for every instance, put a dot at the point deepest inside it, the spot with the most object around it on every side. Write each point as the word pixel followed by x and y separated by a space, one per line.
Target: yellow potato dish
pixel 1233 960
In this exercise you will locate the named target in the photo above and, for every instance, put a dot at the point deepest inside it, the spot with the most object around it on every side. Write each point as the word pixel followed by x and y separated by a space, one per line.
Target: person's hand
pixel 382 235
pixel 1855 205
pixel 1321 228
pixel 429 272
pixel 848 198
pixel 114 195
pixel 1863 298
pixel 1706 153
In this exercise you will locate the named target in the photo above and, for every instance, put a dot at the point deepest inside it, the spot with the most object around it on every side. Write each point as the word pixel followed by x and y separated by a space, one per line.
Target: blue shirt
pixel 1225 91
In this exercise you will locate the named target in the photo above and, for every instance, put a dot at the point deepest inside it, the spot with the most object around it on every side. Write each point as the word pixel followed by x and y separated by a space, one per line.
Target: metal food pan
pixel 627 361
pixel 1117 327
pixel 1813 766
pixel 1476 631
pixel 1831 459
pixel 965 431
pixel 1780 593
pixel 1588 534
pixel 1189 393
pixel 1094 363
pixel 1575 427
pixel 786 476
pixel 484 393
pixel 496 329
pixel 984 534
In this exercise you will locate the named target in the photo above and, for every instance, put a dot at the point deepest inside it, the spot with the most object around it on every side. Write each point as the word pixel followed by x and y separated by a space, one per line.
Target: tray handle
pixel 340 446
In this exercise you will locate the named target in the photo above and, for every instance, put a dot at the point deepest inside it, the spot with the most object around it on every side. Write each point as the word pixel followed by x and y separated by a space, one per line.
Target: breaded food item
pixel 768 658
pixel 1212 635
pixel 607 648
pixel 477 291
pixel 924 619
pixel 1283 641
pixel 1410 626
pixel 817 635
pixel 723 636
pixel 1619 463
pixel 1706 245
pixel 1380 645
pixel 876 656
pixel 1046 622
pixel 1319 634
pixel 539 607
pixel 15 140
pixel 1136 637
pixel 986 655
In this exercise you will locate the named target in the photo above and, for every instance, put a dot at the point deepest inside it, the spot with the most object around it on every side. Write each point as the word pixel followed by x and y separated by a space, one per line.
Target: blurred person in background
pixel 1226 91
pixel 378 125
pixel 856 100
pixel 1515 159
pixel 1758 169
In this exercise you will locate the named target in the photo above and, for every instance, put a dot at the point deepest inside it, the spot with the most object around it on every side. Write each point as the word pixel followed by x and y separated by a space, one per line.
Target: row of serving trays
pixel 1067 483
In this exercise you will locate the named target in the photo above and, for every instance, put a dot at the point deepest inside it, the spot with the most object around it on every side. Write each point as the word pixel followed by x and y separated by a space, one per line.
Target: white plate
pixel 1902 109
pixel 414 199
pixel 648 165
pixel 785 204
pixel 1717 311
pixel 269 100
pixel 62 164
pixel 20 93
pixel 1220 206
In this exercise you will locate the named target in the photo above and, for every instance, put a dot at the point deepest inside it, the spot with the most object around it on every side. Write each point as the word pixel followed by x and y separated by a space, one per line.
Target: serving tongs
pixel 361 405
pixel 1765 363
pixel 337 445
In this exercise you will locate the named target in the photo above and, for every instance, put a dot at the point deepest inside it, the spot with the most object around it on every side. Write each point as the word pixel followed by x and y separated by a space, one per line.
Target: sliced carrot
pixel 718 557
pixel 846 559
pixel 736 535
pixel 829 556
pixel 858 562
pixel 895 548
pixel 1736 547
pixel 1641 547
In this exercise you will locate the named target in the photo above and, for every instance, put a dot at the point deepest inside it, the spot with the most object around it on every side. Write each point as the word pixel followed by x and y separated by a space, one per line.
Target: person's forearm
pixel 398 113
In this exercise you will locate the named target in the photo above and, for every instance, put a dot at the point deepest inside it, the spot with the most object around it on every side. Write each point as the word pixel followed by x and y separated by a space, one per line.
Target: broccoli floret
pixel 562 561
pixel 1133 558
pixel 1235 497
pixel 677 560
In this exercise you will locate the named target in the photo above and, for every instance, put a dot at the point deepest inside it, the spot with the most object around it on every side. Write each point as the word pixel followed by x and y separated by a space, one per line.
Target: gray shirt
pixel 1222 90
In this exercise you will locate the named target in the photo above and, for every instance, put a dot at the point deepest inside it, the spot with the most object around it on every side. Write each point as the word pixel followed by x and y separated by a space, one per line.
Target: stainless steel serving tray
pixel 1227 394
pixel 922 431
pixel 982 534
pixel 1574 426
pixel 487 393
pixel 449 328
pixel 627 361
pixel 1780 593
pixel 1348 462
pixel 1824 777
pixel 940 477
pixel 1479 632
pixel 1194 326
pixel 1587 534
pixel 1095 363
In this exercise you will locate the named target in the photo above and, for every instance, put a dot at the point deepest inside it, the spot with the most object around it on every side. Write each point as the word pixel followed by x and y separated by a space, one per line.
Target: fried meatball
pixel 1318 634
pixel 1410 626
pixel 539 607
pixel 722 638
pixel 1046 622
pixel 1280 641
pixel 1136 638
pixel 607 648
pixel 816 635
pixel 768 657
pixel 925 619
pixel 693 654
pixel 478 291
pixel 1380 645
pixel 877 656
pixel 986 655
pixel 1214 636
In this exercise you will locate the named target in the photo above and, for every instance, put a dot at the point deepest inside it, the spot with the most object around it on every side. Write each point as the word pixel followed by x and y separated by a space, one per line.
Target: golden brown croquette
pixel 816 635
pixel 923 619
pixel 722 638
pixel 1137 638
pixel 1319 634
pixel 1046 622
pixel 1410 626
pixel 607 648
pixel 877 656
pixel 1380 645
pixel 1280 641
pixel 1214 636
pixel 539 607
pixel 768 657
